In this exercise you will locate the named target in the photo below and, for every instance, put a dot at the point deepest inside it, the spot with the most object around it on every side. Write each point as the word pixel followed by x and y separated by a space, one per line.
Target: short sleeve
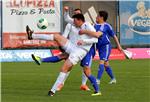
pixel 110 31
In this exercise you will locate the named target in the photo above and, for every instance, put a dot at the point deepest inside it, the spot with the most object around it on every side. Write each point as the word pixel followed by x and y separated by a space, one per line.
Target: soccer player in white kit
pixel 77 48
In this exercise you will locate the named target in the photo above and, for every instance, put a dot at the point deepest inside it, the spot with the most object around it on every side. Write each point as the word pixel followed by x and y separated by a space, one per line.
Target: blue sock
pixel 109 72
pixel 52 59
pixel 100 71
pixel 93 82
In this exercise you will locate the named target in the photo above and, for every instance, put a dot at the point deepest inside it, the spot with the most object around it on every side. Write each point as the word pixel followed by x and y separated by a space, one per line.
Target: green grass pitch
pixel 28 82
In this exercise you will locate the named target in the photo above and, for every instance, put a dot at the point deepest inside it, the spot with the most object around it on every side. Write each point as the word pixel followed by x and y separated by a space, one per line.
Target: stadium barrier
pixel 21 55
pixel 25 55
pixel 115 54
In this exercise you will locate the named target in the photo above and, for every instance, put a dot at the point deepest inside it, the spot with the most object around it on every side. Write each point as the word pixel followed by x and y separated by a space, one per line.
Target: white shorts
pixel 76 54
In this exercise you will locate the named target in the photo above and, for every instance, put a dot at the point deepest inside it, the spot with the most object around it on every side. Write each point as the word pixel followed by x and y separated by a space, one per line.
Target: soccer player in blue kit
pixel 104 45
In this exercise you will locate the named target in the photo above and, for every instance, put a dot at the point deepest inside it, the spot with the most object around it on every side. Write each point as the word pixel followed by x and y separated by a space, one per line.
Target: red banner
pixel 116 54
pixel 56 52
pixel 19 40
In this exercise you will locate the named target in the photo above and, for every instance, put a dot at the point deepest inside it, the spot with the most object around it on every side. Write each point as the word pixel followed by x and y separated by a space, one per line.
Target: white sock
pixel 66 77
pixel 43 36
pixel 59 80
pixel 84 78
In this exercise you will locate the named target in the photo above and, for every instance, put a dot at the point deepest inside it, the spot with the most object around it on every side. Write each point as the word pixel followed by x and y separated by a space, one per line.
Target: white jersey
pixel 76 52
pixel 72 33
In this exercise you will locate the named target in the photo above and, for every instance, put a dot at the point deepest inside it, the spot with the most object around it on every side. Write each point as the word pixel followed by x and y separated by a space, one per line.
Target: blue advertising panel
pixel 22 55
pixel 134 22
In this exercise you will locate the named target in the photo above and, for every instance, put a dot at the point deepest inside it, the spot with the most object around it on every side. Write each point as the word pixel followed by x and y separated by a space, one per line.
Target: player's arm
pixel 117 42
pixel 67 17
pixel 112 34
pixel 67 30
pixel 87 41
pixel 90 30
pixel 90 33
pixel 90 41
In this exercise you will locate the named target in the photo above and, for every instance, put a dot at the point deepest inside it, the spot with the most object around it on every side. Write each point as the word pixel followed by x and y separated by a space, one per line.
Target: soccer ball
pixel 42 23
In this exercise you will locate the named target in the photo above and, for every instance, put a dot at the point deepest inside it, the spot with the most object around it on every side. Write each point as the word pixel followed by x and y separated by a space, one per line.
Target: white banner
pixel 19 13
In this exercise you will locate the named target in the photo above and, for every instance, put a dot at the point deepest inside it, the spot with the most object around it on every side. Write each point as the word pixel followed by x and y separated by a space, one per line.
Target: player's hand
pixel 66 8
pixel 82 31
pixel 80 42
pixel 120 49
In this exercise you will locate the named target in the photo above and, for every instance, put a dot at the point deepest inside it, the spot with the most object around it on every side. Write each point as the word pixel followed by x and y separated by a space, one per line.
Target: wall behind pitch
pixel 16 14
pixel 134 22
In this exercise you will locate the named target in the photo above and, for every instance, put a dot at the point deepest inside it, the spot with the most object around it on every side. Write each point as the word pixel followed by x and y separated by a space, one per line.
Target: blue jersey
pixel 107 33
pixel 103 45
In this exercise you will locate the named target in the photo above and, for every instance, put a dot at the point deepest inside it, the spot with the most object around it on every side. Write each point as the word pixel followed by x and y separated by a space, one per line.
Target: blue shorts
pixel 87 60
pixel 104 52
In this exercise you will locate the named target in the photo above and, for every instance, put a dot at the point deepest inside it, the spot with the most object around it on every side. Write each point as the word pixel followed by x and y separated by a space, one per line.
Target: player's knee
pixel 106 64
pixel 57 36
pixel 67 66
pixel 101 62
pixel 63 56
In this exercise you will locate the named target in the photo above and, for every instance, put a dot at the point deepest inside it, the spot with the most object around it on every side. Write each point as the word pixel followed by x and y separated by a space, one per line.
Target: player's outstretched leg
pixel 52 59
pixel 61 40
pixel 31 35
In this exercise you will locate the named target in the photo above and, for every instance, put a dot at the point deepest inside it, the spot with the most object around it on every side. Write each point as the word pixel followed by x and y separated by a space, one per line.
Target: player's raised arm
pixel 67 30
pixel 67 17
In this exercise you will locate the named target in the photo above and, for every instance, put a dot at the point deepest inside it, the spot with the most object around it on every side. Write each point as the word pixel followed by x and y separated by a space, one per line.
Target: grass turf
pixel 27 82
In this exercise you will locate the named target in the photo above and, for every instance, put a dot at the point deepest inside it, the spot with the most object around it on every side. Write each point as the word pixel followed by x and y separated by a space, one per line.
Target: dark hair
pixel 79 17
pixel 78 9
pixel 103 14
